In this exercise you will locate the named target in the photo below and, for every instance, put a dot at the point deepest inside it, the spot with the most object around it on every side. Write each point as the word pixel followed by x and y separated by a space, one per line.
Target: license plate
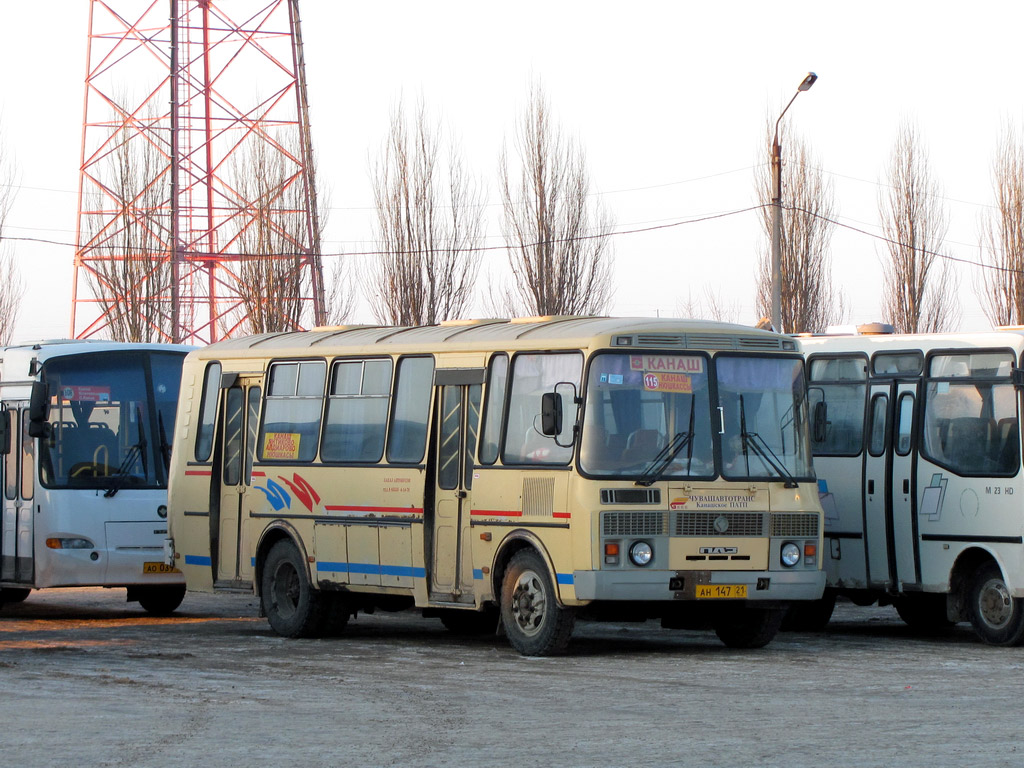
pixel 159 568
pixel 722 591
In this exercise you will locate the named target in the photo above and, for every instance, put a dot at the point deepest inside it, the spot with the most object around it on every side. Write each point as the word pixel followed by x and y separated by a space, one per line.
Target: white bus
pixel 537 469
pixel 916 442
pixel 85 437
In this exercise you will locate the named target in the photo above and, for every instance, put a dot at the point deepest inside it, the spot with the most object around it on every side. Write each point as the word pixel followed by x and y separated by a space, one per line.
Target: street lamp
pixel 777 209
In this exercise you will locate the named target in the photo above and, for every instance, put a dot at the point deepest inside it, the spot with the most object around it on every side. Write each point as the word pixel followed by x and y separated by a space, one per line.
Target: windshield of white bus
pixel 111 419
pixel 654 415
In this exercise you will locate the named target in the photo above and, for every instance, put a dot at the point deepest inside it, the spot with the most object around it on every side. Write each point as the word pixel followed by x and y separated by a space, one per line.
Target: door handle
pixel 461 494
pixel 871 486
pixel 906 485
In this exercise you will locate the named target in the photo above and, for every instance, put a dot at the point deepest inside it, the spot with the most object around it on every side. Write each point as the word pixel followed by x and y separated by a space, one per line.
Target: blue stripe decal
pixel 478 575
pixel 565 578
pixel 252 561
pixel 197 560
pixel 372 569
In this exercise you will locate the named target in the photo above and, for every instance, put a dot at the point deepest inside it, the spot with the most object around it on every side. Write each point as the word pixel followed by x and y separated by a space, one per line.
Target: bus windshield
pixel 647 415
pixel 653 415
pixel 111 420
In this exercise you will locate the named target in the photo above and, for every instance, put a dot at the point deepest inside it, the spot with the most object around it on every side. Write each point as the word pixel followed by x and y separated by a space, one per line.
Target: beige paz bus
pixel 502 474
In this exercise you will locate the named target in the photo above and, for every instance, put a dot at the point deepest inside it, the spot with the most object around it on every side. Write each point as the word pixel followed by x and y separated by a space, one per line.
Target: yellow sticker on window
pixel 283 446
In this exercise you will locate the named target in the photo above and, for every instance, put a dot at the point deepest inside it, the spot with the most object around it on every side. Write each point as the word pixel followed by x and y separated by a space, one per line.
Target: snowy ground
pixel 88 680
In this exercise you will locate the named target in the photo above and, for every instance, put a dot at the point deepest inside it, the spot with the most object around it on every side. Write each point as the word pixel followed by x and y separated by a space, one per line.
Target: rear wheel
pixel 996 615
pixel 13 594
pixel 292 606
pixel 749 627
pixel 161 601
pixel 535 623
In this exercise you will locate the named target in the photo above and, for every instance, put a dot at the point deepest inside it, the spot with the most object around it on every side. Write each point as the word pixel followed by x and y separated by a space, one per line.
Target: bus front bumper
pixel 683 585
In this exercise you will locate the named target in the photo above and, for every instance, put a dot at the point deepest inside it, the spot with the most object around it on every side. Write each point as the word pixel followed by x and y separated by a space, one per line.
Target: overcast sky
pixel 669 101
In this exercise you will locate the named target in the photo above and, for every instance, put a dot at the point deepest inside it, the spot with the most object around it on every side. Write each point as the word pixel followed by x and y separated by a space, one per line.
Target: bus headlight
pixel 790 554
pixel 69 544
pixel 640 553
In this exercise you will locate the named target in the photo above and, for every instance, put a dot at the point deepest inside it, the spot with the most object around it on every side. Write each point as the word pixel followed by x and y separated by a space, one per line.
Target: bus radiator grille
pixel 634 523
pixel 719 524
pixel 795 524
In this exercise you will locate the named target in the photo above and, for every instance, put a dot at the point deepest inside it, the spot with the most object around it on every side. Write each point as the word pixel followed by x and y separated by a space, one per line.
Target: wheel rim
pixel 995 604
pixel 529 603
pixel 286 590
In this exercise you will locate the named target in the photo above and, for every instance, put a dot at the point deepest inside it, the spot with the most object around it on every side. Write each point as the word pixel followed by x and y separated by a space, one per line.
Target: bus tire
pixel 13 594
pixel 925 613
pixel 470 623
pixel 336 613
pixel 535 623
pixel 749 627
pixel 995 614
pixel 161 601
pixel 293 607
pixel 810 615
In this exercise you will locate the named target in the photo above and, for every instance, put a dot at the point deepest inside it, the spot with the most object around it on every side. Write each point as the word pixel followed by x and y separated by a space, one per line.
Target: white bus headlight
pixel 640 553
pixel 790 554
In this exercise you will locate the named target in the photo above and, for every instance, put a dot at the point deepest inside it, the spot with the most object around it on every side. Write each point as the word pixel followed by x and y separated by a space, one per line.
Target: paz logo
pixel 679 502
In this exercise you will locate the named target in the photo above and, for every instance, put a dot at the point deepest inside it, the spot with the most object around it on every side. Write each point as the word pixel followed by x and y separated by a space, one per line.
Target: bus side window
pixel 532 376
pixel 407 439
pixel 497 378
pixel 291 420
pixel 208 413
pixel 357 410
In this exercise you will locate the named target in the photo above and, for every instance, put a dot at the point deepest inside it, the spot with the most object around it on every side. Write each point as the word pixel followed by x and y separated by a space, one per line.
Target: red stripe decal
pixel 198 472
pixel 565 515
pixel 497 512
pixel 259 474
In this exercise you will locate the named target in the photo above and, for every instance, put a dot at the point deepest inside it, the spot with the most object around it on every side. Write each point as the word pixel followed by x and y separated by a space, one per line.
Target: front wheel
pixel 810 615
pixel 535 623
pixel 161 601
pixel 292 606
pixel 996 615
pixel 749 627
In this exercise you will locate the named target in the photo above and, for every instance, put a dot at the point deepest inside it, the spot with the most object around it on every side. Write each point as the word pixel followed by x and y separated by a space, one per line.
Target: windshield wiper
pixel 757 445
pixel 660 463
pixel 135 453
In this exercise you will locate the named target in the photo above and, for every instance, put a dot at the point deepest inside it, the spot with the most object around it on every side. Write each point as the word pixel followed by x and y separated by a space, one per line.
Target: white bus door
pixel 454 449
pixel 17 557
pixel 889 524
pixel 239 427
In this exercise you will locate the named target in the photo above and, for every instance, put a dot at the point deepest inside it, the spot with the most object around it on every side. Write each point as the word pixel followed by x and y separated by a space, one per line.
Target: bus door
pixel 239 427
pixel 889 522
pixel 17 557
pixel 454 451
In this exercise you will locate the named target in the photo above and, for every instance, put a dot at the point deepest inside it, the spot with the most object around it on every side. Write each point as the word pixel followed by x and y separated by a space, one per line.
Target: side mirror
pixel 39 410
pixel 819 421
pixel 551 414
pixel 5 432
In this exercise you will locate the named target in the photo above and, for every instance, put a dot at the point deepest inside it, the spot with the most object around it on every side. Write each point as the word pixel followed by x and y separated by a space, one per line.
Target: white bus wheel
pixel 996 615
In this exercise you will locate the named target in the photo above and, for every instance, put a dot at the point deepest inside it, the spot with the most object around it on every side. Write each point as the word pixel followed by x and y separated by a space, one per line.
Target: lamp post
pixel 777 209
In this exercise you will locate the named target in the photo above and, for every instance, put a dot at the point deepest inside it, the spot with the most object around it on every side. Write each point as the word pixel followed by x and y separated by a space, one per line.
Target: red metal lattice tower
pixel 197 214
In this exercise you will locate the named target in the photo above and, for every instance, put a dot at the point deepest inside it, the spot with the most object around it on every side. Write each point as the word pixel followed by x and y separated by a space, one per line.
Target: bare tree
pixel 1002 291
pixel 710 305
pixel 272 233
pixel 429 227
pixel 919 294
pixel 128 228
pixel 558 241
pixel 12 286
pixel 810 300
